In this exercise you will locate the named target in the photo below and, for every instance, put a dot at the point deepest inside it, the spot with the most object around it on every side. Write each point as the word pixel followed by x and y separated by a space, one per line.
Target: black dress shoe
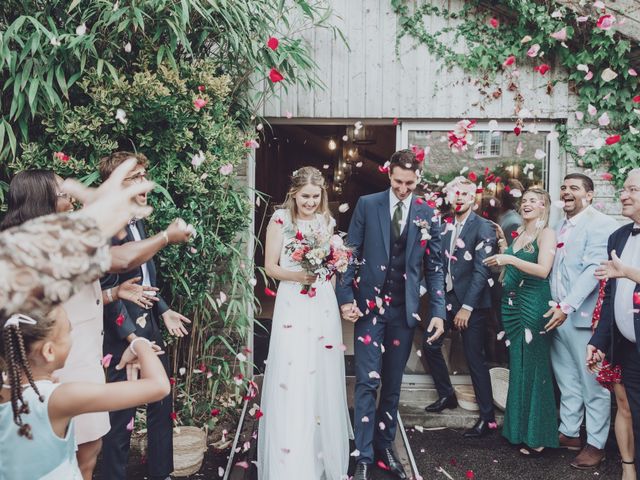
pixel 363 472
pixel 450 401
pixel 480 429
pixel 386 460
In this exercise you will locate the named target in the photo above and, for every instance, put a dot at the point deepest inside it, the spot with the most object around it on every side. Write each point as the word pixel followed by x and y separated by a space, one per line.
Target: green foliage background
pixel 66 69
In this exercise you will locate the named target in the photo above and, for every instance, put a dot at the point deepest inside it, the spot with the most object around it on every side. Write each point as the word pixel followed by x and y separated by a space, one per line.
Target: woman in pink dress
pixel 34 193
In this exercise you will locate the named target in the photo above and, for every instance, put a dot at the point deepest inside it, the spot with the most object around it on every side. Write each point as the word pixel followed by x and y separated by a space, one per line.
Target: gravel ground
pixel 492 457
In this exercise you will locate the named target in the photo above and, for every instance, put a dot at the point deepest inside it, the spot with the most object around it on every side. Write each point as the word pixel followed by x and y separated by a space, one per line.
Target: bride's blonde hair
pixel 300 179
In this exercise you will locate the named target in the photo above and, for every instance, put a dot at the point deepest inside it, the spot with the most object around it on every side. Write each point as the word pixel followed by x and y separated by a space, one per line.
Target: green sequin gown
pixel 531 416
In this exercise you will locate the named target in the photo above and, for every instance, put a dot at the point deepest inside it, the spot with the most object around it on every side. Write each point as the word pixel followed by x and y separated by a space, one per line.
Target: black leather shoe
pixel 363 472
pixel 386 460
pixel 480 429
pixel 439 405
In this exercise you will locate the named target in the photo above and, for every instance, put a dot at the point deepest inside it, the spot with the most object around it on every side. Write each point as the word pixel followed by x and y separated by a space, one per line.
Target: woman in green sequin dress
pixel 530 417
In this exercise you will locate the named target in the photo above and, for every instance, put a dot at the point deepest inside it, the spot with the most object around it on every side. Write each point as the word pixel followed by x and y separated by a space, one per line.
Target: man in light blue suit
pixel 582 245
pixel 396 239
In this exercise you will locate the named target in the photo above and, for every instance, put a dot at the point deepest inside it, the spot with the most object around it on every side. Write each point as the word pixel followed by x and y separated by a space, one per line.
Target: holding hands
pixel 350 312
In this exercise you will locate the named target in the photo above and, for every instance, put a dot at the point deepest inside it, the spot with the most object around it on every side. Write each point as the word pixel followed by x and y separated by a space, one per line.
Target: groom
pixel 396 240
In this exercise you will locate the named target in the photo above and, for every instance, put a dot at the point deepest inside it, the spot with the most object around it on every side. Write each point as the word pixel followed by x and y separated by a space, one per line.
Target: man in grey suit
pixel 582 245
pixel 467 241
pixel 396 238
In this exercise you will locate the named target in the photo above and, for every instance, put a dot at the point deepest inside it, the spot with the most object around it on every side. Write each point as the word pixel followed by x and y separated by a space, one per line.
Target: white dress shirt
pixel 145 271
pixel 406 204
pixel 623 302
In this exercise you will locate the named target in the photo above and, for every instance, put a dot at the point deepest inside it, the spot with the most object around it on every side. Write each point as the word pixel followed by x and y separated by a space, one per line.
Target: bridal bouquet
pixel 319 254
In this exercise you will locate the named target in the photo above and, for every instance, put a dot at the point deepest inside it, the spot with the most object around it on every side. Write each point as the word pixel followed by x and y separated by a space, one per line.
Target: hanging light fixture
pixel 332 144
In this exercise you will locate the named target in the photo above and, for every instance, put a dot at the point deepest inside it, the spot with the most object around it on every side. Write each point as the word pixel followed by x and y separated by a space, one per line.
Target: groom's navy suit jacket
pixel 370 237
pixel 607 337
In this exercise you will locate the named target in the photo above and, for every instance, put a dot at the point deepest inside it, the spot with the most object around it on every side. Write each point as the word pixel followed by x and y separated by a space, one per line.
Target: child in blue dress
pixel 36 428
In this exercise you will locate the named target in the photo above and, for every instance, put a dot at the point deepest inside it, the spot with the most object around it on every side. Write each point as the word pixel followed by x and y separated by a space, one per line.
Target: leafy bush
pixel 179 81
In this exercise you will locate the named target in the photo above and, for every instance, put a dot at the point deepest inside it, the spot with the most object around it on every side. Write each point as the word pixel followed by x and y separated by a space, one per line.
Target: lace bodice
pixel 289 230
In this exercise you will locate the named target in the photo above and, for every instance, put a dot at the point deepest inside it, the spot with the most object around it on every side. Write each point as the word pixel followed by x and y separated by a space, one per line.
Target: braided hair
pixel 17 340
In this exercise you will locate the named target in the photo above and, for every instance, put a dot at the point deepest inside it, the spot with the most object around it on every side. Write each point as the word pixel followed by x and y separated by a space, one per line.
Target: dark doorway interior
pixel 349 159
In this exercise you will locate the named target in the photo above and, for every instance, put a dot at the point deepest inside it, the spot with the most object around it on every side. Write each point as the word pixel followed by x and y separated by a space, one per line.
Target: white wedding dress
pixel 305 430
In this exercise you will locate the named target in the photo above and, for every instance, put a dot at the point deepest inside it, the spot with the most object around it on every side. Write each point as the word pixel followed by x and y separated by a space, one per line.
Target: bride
pixel 305 430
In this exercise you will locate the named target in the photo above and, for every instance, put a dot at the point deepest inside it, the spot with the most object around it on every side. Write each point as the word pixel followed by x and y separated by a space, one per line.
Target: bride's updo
pixel 301 178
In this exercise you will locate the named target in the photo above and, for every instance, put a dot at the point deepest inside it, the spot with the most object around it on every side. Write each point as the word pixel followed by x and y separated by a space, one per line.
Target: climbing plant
pixel 581 46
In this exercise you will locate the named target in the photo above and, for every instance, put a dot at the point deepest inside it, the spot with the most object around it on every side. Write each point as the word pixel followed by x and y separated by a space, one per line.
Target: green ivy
pixel 488 47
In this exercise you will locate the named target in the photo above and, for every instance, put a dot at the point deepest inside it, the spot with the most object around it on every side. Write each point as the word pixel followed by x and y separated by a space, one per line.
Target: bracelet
pixel 165 235
pixel 109 294
pixel 134 341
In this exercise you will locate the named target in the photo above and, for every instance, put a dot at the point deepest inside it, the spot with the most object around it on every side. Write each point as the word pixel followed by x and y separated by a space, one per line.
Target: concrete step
pixel 413 401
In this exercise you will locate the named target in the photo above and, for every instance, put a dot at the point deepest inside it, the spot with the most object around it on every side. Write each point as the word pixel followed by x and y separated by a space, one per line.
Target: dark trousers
pixel 630 363
pixel 473 342
pixel 115 446
pixel 376 369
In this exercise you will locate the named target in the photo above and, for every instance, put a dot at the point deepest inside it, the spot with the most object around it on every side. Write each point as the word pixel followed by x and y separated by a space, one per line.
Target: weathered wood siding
pixel 368 80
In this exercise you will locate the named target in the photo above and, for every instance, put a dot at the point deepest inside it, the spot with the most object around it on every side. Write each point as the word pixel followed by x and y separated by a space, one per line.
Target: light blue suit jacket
pixel 585 249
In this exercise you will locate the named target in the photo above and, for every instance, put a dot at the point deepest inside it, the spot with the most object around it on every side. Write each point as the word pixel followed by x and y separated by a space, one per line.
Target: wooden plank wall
pixel 368 80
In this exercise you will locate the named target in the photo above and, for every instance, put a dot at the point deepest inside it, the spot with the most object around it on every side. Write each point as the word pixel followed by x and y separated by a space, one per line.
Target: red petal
pixel 472 176
pixel 517 131
pixel 613 139
pixel 269 292
pixel 275 76
pixel 272 43
pixel 636 99
pixel 494 22
pixel 395 121
pixel 514 234
pixel 607 176
pixel 470 474
pixel 120 320
pixel 636 298
pixel 560 245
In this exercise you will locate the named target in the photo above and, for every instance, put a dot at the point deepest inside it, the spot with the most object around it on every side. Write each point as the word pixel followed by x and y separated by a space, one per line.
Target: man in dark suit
pixel 396 238
pixel 618 331
pixel 467 241
pixel 125 321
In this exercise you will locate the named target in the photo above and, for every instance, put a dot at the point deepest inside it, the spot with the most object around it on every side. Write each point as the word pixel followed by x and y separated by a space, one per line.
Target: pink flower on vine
pixel 275 76
pixel 63 157
pixel 509 61
pixel 533 50
pixel 605 22
pixel 226 169
pixel 199 103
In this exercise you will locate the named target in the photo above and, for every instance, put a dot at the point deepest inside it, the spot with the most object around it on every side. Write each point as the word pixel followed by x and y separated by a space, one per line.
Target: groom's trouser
pixel 376 428
pixel 579 389
pixel 473 342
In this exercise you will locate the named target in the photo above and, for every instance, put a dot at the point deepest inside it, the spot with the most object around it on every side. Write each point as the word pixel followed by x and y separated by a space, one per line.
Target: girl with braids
pixel 305 429
pixel 42 444
pixel 530 419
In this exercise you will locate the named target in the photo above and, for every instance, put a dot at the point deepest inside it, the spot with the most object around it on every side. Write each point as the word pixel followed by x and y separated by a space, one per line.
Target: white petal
pixel 607 75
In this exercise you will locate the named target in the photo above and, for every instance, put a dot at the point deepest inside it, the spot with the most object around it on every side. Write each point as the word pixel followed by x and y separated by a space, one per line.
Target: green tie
pixel 396 221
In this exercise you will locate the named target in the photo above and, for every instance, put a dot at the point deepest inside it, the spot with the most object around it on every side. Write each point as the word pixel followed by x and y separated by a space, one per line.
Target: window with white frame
pixel 489 144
